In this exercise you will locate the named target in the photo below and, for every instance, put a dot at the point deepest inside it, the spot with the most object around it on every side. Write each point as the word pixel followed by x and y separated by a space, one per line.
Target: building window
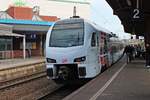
pixel 31 45
pixel 5 44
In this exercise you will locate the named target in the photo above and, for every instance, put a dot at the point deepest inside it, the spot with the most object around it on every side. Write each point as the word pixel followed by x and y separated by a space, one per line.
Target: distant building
pixel 32 19
pixel 24 23
pixel 6 42
pixel 59 8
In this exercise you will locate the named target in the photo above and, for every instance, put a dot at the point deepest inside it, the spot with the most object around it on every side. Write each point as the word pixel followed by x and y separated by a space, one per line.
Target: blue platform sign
pixel 33 36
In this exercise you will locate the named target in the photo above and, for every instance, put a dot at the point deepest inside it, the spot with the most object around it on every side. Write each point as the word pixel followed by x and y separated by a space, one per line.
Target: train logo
pixel 64 60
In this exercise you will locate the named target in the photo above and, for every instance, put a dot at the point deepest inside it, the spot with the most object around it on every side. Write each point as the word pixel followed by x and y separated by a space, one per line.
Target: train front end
pixel 65 51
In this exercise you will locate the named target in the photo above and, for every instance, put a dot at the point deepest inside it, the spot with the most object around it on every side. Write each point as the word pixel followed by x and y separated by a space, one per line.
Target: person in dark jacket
pixel 148 55
pixel 138 50
pixel 129 51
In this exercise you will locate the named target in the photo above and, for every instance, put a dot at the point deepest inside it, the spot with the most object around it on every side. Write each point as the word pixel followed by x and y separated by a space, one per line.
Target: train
pixel 78 49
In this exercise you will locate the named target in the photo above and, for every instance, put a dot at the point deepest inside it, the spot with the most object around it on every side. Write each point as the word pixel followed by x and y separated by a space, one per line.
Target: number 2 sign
pixel 136 13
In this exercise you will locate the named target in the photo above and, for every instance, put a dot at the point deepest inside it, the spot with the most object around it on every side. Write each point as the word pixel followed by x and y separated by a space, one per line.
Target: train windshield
pixel 67 35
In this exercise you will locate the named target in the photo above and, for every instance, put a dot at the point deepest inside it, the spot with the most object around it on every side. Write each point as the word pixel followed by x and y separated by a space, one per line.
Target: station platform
pixel 10 63
pixel 12 69
pixel 120 82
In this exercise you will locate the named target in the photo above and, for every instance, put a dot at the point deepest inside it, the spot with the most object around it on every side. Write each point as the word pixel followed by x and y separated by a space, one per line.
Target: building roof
pixel 26 13
pixel 49 18
pixel 4 15
pixel 25 16
pixel 6 33
pixel 6 30
pixel 25 22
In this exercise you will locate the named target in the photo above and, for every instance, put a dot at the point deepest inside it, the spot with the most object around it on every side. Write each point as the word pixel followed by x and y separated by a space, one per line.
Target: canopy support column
pixel 147 43
pixel 24 47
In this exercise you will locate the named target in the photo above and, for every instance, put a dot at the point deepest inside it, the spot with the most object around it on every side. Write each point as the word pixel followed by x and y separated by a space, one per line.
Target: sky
pixel 102 14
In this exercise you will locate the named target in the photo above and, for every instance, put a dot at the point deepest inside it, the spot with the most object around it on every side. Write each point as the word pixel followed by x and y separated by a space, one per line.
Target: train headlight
pixel 49 60
pixel 80 59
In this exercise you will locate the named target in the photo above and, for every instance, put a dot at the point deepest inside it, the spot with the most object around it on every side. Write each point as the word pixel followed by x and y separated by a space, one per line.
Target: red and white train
pixel 77 49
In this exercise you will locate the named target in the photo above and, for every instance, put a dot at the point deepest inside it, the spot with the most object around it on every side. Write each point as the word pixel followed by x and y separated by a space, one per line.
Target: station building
pixel 27 20
pixel 23 32
pixel 59 8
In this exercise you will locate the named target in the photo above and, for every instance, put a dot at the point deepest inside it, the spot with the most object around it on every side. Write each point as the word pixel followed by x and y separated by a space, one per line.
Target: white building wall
pixel 4 4
pixel 53 8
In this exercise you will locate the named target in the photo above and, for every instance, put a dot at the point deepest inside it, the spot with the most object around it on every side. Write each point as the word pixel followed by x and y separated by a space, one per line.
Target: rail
pixel 60 92
pixel 21 80
pixel 20 74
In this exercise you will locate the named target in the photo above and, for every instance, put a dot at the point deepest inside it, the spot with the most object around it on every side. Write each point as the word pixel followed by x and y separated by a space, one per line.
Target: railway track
pixel 31 78
pixel 61 92
pixel 22 80
pixel 19 75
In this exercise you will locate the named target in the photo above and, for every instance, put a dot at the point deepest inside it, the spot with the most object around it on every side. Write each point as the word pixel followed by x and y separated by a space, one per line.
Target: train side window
pixel 105 46
pixel 93 41
pixel 97 37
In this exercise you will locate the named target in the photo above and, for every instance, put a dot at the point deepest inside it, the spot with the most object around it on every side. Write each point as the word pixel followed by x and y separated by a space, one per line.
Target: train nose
pixel 63 72
pixel 66 71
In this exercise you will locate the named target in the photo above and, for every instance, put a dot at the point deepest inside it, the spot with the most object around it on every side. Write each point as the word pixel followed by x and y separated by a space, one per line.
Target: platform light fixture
pixel 129 2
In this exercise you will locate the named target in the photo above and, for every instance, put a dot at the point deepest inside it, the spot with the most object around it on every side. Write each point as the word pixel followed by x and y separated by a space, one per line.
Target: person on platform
pixel 29 52
pixel 148 55
pixel 138 50
pixel 129 51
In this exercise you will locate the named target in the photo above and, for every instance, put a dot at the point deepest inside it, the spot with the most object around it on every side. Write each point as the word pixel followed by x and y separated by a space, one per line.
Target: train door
pixel 94 52
pixel 104 51
pixel 110 53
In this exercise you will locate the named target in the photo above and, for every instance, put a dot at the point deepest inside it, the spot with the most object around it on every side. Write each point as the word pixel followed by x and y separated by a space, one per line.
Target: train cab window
pixel 93 40
pixel 67 35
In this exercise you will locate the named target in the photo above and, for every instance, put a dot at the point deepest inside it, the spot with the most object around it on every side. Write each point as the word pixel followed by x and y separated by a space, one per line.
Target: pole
pixel 12 53
pixel 24 47
pixel 137 4
pixel 74 11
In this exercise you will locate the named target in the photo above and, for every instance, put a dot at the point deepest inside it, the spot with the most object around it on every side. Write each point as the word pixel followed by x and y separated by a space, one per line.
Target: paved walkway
pixel 121 82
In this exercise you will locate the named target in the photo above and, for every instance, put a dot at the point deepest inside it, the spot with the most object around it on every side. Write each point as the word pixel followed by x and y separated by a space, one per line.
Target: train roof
pixel 98 27
pixel 71 20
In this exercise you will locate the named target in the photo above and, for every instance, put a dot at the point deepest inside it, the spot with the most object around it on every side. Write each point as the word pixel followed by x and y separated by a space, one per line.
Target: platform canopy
pixel 132 13
pixel 10 34
pixel 27 25
pixel 6 30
